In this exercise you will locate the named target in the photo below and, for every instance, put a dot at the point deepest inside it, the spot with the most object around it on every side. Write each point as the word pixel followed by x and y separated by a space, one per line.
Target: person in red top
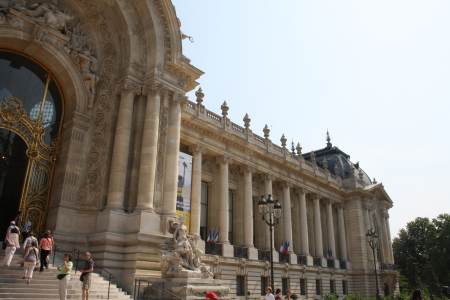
pixel 46 247
pixel 211 296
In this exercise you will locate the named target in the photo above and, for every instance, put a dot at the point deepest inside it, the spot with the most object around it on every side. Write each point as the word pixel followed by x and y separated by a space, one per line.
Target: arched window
pixel 30 120
pixel 31 84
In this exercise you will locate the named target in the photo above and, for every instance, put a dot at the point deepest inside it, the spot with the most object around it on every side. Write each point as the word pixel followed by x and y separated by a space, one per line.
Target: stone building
pixel 99 143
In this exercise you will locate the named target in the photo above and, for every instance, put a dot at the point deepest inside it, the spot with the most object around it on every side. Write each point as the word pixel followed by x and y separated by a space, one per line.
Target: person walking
pixel 64 276
pixel 31 258
pixel 11 243
pixel 86 275
pixel 278 294
pixel 28 241
pixel 46 246
pixel 269 295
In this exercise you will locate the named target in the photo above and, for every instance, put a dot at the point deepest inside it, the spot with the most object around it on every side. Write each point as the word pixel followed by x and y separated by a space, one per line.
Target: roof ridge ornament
pixel 329 144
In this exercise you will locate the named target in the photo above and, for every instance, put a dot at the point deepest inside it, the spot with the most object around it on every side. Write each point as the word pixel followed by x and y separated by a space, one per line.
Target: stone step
pixel 44 285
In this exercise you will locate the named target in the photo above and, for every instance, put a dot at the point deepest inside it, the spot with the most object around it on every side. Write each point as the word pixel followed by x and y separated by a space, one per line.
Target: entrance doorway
pixel 30 117
pixel 13 168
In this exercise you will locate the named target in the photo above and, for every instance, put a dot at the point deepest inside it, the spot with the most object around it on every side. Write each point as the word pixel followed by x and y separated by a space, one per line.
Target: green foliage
pixel 422 253
pixel 331 297
pixel 353 297
pixel 294 297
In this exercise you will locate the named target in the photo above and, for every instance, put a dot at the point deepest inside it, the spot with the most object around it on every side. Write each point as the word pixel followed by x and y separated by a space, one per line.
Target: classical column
pixel 287 220
pixel 172 153
pixel 248 208
pixel 388 229
pixel 387 239
pixel 196 193
pixel 330 227
pixel 149 151
pixel 382 237
pixel 304 224
pixel 318 227
pixel 342 234
pixel 223 200
pixel 121 150
pixel 268 191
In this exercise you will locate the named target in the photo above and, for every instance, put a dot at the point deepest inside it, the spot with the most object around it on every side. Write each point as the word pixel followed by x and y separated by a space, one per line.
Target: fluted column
pixel 330 227
pixel 387 239
pixel 248 208
pixel 268 191
pixel 304 224
pixel 172 153
pixel 382 237
pixel 342 234
pixel 391 252
pixel 287 219
pixel 149 151
pixel 121 150
pixel 318 227
pixel 223 200
pixel 196 193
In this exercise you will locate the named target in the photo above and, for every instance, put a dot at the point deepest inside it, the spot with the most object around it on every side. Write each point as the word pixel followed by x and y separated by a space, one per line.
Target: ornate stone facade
pixel 123 78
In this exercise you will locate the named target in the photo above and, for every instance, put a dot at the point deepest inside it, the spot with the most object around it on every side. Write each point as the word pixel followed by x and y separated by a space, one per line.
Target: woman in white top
pixel 64 276
pixel 269 295
pixel 30 259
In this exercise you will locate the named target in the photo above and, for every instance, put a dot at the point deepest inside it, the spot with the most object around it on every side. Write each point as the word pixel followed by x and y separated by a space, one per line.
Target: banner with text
pixel 184 188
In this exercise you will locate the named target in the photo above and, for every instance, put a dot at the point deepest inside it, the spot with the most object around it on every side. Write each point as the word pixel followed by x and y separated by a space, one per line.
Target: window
pixel 264 284
pixel 231 197
pixel 344 287
pixel 303 286
pixel 240 285
pixel 318 287
pixel 204 212
pixel 332 287
pixel 284 285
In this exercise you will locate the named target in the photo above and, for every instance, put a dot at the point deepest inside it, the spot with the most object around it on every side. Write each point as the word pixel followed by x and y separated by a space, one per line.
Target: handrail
pixel 110 277
pixel 74 252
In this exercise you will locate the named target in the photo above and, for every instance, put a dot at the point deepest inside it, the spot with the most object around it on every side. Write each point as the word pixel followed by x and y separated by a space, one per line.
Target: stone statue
pixel 181 257
pixel 50 14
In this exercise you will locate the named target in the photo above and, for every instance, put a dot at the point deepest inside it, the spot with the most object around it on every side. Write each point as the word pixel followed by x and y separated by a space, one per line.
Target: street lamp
pixel 270 210
pixel 372 238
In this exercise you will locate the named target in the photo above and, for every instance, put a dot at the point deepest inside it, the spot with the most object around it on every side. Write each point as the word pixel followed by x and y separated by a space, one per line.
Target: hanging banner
pixel 184 188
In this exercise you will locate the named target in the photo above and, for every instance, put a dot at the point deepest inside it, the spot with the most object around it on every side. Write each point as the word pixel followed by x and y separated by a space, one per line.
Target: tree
pixel 421 252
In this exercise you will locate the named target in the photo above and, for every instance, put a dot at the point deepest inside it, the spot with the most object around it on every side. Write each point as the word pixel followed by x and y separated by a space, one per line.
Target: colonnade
pixel 309 239
pixel 335 237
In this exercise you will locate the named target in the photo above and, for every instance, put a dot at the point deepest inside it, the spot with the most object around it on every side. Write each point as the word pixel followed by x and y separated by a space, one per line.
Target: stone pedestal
pixel 337 264
pixel 185 288
pixel 252 253
pixel 323 262
pixel 227 250
pixel 276 256
pixel 293 258
pixel 309 260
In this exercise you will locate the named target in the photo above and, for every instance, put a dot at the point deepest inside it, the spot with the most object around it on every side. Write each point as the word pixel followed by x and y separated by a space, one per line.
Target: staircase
pixel 44 285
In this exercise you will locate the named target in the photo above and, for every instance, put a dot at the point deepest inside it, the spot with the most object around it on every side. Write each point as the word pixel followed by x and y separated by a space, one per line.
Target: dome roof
pixel 338 163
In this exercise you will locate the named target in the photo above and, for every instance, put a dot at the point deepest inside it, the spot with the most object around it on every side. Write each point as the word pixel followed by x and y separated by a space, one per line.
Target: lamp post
pixel 372 238
pixel 270 210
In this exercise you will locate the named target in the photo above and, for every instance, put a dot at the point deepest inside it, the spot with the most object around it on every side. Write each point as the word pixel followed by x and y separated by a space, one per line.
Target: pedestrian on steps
pixel 46 246
pixel 86 273
pixel 11 243
pixel 64 276
pixel 28 241
pixel 31 258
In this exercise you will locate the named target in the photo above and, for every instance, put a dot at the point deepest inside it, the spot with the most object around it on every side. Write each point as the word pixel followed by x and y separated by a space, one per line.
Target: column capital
pixel 286 184
pixel 197 149
pixel 268 177
pixel 247 169
pixel 153 88
pixel 131 85
pixel 223 159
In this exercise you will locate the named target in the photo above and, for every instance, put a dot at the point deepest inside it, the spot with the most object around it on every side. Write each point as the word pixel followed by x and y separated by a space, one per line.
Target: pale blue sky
pixel 375 73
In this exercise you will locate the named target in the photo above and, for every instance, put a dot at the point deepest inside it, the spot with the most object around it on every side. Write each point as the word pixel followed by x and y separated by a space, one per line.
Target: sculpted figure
pixel 182 254
pixel 50 14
